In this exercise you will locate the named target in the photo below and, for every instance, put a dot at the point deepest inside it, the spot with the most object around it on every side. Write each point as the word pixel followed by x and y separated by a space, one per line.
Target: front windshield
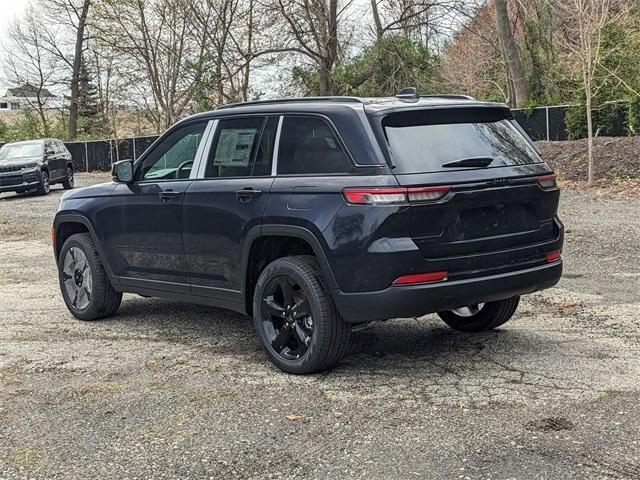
pixel 21 150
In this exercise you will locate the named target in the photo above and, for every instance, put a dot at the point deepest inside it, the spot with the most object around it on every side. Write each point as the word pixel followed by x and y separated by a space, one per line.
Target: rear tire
pixel 68 181
pixel 84 284
pixel 44 187
pixel 491 315
pixel 295 318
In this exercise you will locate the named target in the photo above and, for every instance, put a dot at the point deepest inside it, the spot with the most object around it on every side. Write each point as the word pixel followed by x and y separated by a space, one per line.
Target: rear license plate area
pixel 491 221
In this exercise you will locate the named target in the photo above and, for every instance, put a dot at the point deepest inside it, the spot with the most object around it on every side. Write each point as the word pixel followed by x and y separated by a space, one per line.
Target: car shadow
pixel 400 346
pixel 12 196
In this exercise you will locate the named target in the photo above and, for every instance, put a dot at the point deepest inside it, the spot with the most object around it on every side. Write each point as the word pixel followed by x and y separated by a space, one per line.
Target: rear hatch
pixel 497 208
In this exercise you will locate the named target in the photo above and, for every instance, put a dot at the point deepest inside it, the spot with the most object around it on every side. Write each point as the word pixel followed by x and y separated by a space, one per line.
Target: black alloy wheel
pixel 295 318
pixel 286 317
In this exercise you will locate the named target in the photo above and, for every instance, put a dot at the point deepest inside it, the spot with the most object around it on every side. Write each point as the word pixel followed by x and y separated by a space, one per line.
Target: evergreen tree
pixel 88 104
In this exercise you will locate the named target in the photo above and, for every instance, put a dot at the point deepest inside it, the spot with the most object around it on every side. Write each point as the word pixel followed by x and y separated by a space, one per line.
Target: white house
pixel 26 98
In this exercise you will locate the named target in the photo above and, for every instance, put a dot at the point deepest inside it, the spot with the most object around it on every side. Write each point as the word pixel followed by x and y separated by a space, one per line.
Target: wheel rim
pixel 286 318
pixel 468 312
pixel 45 182
pixel 70 176
pixel 77 279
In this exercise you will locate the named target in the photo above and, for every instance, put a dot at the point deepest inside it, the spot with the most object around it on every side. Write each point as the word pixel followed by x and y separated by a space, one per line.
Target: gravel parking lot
pixel 170 390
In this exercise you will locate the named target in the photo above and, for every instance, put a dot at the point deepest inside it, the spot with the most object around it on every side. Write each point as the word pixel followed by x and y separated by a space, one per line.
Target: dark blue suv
pixel 317 214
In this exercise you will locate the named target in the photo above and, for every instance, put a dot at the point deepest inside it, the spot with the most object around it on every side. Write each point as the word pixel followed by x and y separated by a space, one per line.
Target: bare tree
pixel 29 65
pixel 584 23
pixel 515 70
pixel 161 51
pixel 314 29
pixel 72 16
pixel 425 21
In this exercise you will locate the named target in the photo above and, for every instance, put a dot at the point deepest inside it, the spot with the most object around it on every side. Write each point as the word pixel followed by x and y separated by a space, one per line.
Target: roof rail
pixel 452 97
pixel 292 100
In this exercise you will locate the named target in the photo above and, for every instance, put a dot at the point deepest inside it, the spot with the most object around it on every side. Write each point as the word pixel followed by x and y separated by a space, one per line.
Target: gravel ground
pixel 170 390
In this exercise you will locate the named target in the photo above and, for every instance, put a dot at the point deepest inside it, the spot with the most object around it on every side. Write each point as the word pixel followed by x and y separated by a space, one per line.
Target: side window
pixel 242 147
pixel 174 156
pixel 48 145
pixel 308 146
pixel 60 147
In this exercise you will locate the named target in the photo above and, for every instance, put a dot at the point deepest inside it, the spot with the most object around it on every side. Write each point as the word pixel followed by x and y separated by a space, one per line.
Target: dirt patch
pixel 613 158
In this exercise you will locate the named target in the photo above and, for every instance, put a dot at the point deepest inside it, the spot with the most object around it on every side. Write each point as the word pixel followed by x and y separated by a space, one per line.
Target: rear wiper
pixel 470 162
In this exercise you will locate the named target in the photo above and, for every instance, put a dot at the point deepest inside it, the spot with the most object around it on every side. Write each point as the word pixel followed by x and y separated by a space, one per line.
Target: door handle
pixel 247 194
pixel 168 195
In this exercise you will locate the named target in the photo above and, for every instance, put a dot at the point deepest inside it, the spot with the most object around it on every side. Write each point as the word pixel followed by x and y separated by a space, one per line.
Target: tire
pixel 312 336
pixel 101 300
pixel 68 181
pixel 489 316
pixel 44 187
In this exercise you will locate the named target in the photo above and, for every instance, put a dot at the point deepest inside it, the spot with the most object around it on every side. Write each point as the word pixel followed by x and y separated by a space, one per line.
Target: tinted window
pixel 309 146
pixel 242 147
pixel 425 145
pixel 174 156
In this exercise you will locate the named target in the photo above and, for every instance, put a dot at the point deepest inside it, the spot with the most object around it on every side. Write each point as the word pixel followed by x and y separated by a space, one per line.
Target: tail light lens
pixel 421 278
pixel 547 181
pixel 553 256
pixel 375 196
pixel 427 194
pixel 395 195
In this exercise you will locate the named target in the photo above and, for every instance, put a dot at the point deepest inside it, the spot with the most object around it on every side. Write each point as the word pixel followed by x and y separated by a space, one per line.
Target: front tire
pixel 44 187
pixel 481 317
pixel 85 287
pixel 295 317
pixel 68 181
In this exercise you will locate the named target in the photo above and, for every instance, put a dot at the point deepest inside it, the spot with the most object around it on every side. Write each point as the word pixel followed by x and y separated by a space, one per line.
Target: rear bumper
pixel 418 300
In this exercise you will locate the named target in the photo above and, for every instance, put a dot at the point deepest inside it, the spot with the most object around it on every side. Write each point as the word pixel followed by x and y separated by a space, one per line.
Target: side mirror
pixel 122 171
pixel 49 151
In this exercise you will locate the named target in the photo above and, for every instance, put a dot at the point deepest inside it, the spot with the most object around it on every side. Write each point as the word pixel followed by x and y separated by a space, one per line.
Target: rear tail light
pixel 374 196
pixel 427 194
pixel 547 181
pixel 553 256
pixel 421 278
pixel 394 195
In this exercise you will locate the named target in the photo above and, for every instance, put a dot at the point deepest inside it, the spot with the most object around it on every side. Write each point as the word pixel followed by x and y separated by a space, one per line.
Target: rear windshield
pixel 423 141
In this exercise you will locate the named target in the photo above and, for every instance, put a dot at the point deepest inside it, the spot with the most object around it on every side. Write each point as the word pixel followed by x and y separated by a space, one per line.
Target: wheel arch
pixel 268 242
pixel 67 224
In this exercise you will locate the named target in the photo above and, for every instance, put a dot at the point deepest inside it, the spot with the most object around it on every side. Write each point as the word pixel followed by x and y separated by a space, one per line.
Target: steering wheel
pixel 182 166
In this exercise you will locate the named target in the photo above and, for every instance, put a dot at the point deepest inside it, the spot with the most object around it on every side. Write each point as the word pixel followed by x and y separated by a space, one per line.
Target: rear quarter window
pixel 424 141
pixel 308 146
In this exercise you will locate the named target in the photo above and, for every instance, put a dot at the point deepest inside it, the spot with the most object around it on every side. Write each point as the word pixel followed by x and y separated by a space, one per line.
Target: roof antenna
pixel 408 94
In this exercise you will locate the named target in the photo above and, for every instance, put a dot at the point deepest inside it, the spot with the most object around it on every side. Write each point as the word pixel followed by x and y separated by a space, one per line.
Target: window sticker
pixel 234 147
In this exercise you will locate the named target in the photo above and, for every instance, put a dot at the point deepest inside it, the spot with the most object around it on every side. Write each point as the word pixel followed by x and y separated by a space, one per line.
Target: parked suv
pixel 34 166
pixel 317 214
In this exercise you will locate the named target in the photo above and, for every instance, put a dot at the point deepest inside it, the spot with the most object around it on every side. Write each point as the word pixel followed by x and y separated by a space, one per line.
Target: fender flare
pixel 302 233
pixel 62 218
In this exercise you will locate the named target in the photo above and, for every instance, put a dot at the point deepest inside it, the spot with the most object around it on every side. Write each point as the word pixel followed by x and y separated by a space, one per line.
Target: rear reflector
pixel 553 256
pixel 394 195
pixel 547 181
pixel 421 278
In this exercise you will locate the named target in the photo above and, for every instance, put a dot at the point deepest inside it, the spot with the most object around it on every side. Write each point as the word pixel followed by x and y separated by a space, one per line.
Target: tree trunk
pixel 589 105
pixel 75 71
pixel 376 20
pixel 512 57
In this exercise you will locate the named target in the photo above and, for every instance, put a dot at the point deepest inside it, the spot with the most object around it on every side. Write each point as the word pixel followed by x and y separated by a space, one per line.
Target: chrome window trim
pixel 203 151
pixel 276 148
